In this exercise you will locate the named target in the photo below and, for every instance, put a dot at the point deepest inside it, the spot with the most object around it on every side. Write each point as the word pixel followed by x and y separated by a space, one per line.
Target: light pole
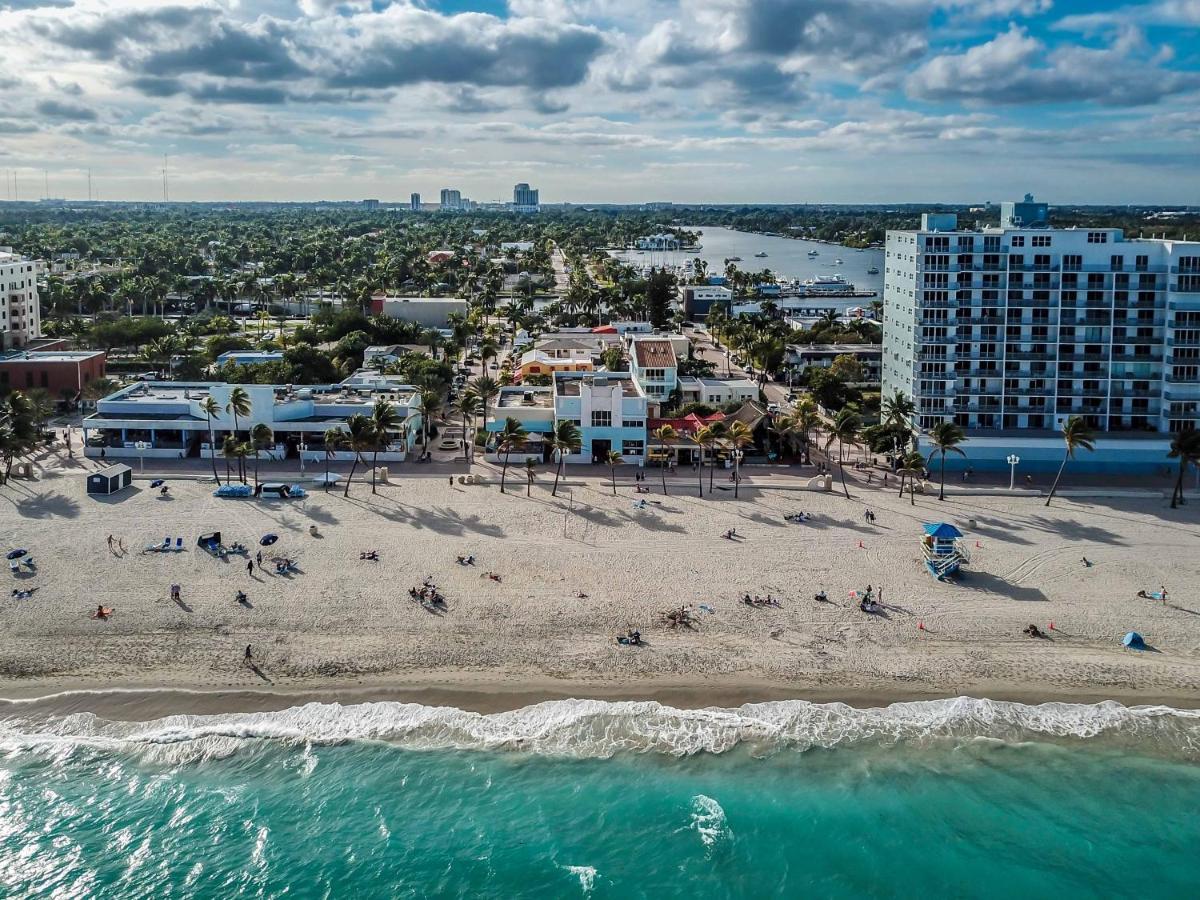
pixel 303 447
pixel 141 447
pixel 1013 461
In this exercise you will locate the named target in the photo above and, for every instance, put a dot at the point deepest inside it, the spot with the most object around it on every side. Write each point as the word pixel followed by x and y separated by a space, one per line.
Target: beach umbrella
pixel 268 539
pixel 16 554
pixel 1134 641
pixel 158 482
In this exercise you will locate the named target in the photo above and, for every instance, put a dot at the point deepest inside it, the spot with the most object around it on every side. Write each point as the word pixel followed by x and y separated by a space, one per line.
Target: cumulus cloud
pixel 1015 67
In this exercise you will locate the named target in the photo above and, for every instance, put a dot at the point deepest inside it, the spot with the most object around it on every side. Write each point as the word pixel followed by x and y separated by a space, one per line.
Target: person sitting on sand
pixel 1086 562
pixel 821 597
pixel 102 612
pixel 1033 631
pixel 240 597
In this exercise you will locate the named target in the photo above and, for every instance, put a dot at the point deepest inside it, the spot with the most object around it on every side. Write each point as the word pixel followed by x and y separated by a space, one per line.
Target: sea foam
pixel 595 728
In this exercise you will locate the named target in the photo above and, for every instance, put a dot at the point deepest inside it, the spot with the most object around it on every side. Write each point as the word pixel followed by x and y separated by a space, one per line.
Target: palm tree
pixel 334 438
pixel 740 436
pixel 1076 435
pixel 486 388
pixel 664 434
pixel 613 459
pixel 239 405
pixel 361 438
pixel 805 418
pixel 702 437
pixel 228 446
pixel 261 436
pixel 910 467
pixel 945 438
pixel 844 430
pixel 719 432
pixel 430 406
pixel 512 437
pixel 385 419
pixel 565 439
pixel 1185 446
pixel 467 406
pixel 241 452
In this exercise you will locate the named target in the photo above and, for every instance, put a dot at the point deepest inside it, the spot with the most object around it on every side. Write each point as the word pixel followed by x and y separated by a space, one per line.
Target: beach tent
pixel 111 480
pixel 1134 641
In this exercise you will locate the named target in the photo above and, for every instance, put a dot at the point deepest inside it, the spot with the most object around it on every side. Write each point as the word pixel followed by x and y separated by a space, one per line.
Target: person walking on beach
pixel 250 568
pixel 451 481
pixel 248 659
pixel 110 543
pixel 175 595
pixel 258 556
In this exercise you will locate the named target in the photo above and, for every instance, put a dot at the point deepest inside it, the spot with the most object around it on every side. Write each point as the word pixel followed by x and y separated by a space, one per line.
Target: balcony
pixel 1028 354
pixel 1134 392
pixel 1190 289
pixel 931 355
pixel 938 339
pixel 1082 357
pixel 1119 356
pixel 979 320
pixel 1033 267
pixel 1183 342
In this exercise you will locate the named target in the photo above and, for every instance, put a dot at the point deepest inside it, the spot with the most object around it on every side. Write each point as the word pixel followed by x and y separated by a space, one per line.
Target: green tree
pixel 945 437
pixel 511 437
pixel 1076 436
pixel 664 434
pixel 334 438
pixel 385 420
pixel 211 408
pixel 261 437
pixel 740 436
pixel 1185 446
pixel 702 437
pixel 360 438
pixel 844 430
pixel 565 440
pixel 613 459
pixel 238 405
pixel 468 406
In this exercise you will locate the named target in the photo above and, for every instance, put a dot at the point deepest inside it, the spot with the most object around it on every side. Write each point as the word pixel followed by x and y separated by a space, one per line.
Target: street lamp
pixel 141 447
pixel 303 446
pixel 1013 461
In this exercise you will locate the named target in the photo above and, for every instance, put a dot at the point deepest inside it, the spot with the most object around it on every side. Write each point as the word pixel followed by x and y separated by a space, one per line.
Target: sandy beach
pixel 344 628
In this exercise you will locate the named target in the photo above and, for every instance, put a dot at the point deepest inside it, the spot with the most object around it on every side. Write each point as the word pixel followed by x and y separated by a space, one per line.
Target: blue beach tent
pixel 1134 641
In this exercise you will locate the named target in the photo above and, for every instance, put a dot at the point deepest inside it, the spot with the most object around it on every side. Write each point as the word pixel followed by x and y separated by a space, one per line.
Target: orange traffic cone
pixel 920 626
pixel 978 546
pixel 1051 626
pixel 860 546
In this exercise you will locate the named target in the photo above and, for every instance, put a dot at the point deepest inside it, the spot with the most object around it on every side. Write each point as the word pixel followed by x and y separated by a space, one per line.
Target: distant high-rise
pixel 414 202
pixel 525 198
pixel 451 200
pixel 20 312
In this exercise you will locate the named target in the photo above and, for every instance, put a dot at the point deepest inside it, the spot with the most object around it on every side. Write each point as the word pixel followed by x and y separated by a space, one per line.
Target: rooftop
pixel 654 354
pixel 569 384
pixel 525 398
pixel 49 356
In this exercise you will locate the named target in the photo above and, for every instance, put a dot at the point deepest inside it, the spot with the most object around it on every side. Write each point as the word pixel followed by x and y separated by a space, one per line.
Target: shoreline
pixel 488 695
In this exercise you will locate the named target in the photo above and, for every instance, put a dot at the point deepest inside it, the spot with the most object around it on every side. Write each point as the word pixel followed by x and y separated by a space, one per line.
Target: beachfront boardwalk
pixel 338 619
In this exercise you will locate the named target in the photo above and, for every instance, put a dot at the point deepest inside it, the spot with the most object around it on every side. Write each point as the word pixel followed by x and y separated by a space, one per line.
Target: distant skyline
pixel 604 101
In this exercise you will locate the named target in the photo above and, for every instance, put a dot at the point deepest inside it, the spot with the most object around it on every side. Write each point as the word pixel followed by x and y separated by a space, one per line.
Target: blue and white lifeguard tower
pixel 943 549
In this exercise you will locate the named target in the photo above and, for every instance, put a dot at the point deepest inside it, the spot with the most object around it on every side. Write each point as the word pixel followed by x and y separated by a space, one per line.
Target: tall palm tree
pixel 228 446
pixel 664 434
pixel 486 388
pixel 945 438
pixel 467 406
pixel 211 408
pixel 334 438
pixel 239 405
pixel 511 437
pixel 805 418
pixel 613 459
pixel 1076 436
pixel 430 406
pixel 909 468
pixel 385 420
pixel 361 438
pixel 740 436
pixel 702 438
pixel 719 431
pixel 844 430
pixel 566 439
pixel 1185 446
pixel 261 436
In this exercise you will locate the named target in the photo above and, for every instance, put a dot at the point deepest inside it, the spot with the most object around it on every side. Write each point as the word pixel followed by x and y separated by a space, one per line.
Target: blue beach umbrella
pixel 268 539
pixel 1134 641
pixel 16 554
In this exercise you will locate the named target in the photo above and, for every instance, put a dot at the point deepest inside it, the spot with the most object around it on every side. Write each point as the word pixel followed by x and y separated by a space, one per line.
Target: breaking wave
pixel 597 729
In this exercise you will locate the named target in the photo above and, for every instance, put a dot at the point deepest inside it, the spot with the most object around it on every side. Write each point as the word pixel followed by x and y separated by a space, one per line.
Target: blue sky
pixel 604 100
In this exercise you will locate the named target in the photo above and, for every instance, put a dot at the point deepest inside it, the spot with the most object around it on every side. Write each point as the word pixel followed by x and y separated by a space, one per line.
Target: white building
pixel 525 198
pixel 1020 327
pixel 167 420
pixel 20 312
pixel 658 242
pixel 432 312
pixel 716 391
pixel 451 200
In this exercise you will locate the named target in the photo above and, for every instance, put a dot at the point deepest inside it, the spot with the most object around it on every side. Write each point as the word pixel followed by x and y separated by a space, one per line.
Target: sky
pixel 621 101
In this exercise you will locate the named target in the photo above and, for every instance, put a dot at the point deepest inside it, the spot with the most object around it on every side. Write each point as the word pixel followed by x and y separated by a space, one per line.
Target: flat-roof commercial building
pixel 168 419
pixel 1017 328
pixel 58 371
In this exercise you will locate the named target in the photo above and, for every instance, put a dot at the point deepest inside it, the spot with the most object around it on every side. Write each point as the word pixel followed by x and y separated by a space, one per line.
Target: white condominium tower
pixel 1024 325
pixel 20 314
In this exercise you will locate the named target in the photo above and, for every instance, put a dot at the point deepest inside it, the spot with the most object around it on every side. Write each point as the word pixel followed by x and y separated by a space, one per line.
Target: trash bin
pixel 383 474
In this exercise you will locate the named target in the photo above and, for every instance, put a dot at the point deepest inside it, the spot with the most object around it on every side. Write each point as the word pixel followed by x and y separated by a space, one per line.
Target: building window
pixel 1097 237
pixel 1018 240
pixel 601 418
pixel 1041 240
pixel 653 374
pixel 635 423
pixel 632 448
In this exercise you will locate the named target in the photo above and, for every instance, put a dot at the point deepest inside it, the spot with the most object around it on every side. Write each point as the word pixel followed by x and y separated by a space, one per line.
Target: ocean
pixel 954 798
pixel 786 257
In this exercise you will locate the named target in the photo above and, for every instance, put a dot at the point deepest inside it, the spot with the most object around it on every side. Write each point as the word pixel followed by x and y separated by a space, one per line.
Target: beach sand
pixel 345 629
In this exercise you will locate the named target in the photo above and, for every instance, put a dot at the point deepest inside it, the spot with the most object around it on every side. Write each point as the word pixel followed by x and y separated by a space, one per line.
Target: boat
pixel 827 284
pixel 874 270
pixel 838 261
pixel 730 259
pixel 761 254
pixel 814 252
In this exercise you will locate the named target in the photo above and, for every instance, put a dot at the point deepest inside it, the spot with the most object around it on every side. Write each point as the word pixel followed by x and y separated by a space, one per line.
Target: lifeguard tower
pixel 943 549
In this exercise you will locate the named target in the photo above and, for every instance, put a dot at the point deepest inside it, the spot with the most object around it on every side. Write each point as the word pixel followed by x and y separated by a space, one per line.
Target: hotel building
pixel 20 313
pixel 1008 331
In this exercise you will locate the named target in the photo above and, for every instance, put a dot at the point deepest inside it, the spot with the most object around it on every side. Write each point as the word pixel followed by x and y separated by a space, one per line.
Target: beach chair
pixel 166 544
pixel 29 563
pixel 178 545
pixel 14 566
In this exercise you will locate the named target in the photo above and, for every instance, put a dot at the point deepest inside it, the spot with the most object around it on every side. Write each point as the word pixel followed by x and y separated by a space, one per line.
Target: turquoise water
pixel 384 800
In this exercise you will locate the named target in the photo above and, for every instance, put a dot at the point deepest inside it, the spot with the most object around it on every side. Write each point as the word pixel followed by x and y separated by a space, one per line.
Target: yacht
pixel 874 270
pixel 831 284
pixel 761 254
pixel 730 259
pixel 814 252
pixel 838 261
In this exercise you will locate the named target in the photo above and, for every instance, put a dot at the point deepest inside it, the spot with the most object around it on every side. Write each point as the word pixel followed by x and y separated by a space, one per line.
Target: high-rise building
pixel 414 202
pixel 525 198
pixel 451 200
pixel 1012 330
pixel 20 312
